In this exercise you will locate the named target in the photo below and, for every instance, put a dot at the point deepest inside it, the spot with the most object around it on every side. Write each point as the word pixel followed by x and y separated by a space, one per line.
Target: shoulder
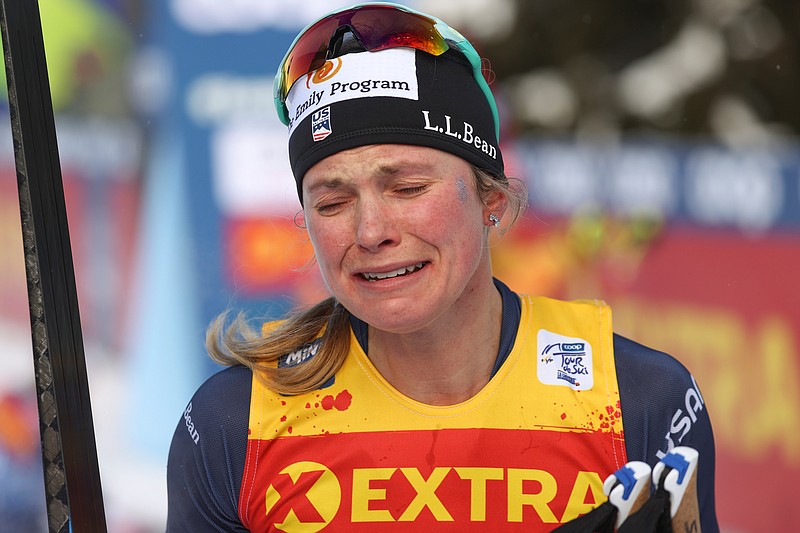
pixel 223 399
pixel 638 364
pixel 229 383
pixel 219 409
pixel 662 407
pixel 207 454
pixel 661 401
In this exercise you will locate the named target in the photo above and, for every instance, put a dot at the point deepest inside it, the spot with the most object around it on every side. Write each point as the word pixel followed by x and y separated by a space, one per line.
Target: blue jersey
pixel 210 476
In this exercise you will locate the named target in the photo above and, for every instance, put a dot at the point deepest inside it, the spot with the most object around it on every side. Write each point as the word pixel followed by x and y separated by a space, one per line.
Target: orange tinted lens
pixel 308 53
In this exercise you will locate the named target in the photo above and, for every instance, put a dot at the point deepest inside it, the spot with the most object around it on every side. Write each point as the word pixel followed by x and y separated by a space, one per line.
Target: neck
pixel 450 360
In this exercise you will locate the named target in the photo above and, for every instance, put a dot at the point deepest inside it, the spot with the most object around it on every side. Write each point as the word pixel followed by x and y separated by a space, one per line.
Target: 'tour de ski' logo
pixel 564 361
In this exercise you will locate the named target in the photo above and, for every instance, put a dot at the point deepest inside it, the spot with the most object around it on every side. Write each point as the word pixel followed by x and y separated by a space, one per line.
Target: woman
pixel 424 393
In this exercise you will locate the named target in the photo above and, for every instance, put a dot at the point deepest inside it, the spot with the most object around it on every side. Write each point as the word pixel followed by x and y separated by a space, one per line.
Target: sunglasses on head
pixel 377 26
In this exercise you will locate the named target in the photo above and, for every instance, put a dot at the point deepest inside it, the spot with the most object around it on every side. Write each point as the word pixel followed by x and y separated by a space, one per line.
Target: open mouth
pixel 375 276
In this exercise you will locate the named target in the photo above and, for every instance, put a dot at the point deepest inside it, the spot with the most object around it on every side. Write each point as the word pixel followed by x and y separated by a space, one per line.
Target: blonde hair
pixel 328 322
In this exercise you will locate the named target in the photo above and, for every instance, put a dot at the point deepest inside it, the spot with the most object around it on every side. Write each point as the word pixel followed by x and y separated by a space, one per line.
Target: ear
pixel 496 203
pixel 300 219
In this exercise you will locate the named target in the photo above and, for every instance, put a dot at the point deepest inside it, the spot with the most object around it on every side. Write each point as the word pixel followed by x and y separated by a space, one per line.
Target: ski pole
pixel 69 453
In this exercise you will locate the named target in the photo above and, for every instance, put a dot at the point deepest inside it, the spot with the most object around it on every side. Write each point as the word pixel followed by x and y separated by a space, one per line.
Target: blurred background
pixel 658 139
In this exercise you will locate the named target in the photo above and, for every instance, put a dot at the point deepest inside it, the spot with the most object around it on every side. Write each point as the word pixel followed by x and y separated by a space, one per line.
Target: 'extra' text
pixel 527 495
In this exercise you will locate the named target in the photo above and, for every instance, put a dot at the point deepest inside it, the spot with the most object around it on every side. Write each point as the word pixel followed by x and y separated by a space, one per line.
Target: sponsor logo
pixel 564 361
pixel 369 85
pixel 460 130
pixel 325 72
pixel 310 102
pixel 300 355
pixel 682 420
pixel 354 76
pixel 316 497
pixel 321 124
pixel 307 496
pixel 187 418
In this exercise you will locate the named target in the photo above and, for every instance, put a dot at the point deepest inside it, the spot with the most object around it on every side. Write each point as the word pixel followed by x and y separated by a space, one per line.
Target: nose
pixel 376 226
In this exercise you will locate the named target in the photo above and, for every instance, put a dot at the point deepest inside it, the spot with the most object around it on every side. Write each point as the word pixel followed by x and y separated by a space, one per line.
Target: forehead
pixel 381 160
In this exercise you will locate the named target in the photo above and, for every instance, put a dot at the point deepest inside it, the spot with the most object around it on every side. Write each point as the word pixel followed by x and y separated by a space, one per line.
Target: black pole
pixel 69 451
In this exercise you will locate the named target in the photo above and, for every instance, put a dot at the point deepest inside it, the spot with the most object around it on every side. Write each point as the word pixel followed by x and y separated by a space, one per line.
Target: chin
pixel 394 320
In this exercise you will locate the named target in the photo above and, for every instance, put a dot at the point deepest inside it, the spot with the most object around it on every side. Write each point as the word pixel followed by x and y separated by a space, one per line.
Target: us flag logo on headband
pixel 321 124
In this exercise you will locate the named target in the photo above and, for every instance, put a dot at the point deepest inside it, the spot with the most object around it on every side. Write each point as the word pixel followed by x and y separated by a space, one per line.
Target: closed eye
pixel 330 207
pixel 411 190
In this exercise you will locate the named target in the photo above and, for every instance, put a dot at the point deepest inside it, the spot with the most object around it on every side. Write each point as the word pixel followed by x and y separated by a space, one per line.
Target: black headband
pixel 395 96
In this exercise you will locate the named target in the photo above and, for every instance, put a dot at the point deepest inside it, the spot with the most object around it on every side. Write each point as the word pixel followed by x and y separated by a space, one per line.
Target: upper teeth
pixel 393 273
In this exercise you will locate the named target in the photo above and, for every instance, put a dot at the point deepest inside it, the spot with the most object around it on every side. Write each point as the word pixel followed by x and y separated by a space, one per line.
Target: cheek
pixel 327 239
pixel 451 219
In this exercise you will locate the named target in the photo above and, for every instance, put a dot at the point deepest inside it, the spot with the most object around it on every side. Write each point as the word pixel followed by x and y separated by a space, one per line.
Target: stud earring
pixel 494 220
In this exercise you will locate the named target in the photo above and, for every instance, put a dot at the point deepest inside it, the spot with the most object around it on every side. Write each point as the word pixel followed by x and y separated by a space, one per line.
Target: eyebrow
pixel 391 170
pixel 329 183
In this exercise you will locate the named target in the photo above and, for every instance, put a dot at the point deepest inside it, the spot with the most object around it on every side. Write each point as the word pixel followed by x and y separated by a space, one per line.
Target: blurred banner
pixel 100 161
pixel 219 203
pixel 697 249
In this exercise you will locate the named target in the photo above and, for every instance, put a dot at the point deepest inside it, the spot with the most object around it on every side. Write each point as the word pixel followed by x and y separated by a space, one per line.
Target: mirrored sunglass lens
pixel 308 53
pixel 379 29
